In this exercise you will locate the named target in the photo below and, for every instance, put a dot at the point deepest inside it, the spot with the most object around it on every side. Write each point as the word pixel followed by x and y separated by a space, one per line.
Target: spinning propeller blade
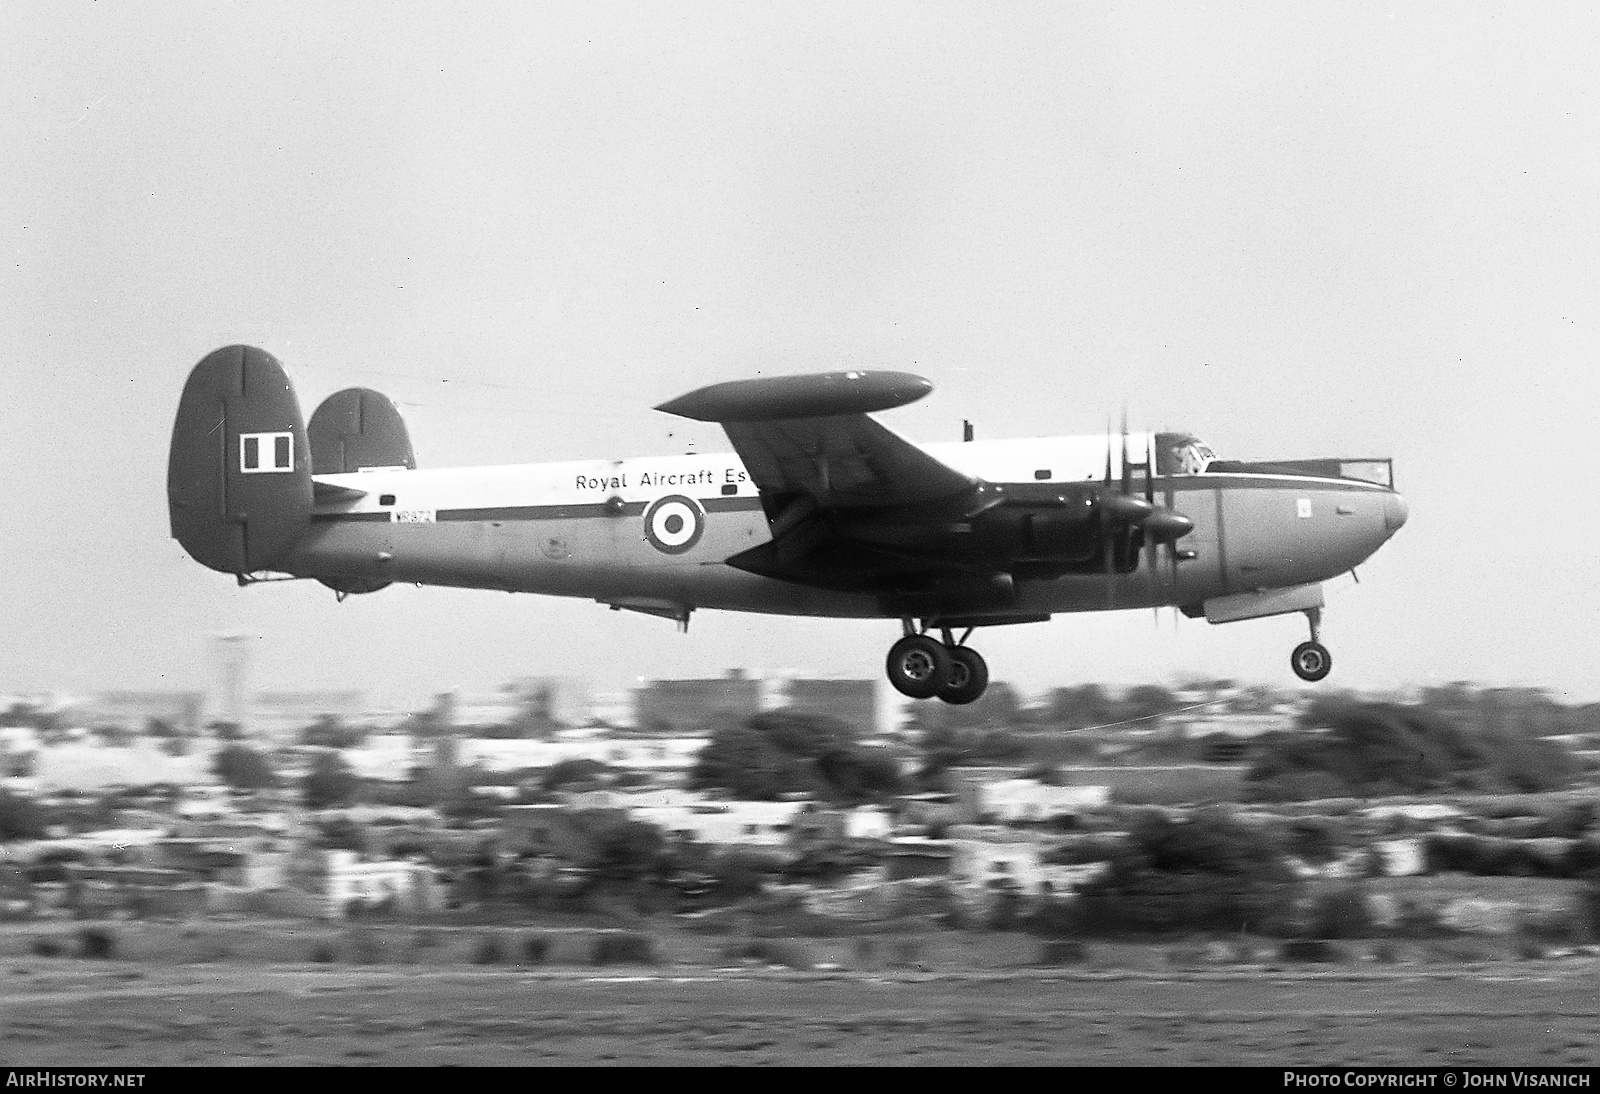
pixel 1121 509
pixel 1152 548
pixel 1107 560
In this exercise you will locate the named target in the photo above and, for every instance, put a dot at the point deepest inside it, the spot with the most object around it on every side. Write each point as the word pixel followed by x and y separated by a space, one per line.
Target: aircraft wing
pixel 809 437
pixel 847 499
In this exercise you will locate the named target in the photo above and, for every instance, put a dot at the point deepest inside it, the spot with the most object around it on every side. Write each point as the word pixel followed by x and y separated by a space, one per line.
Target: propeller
pixel 1107 561
pixel 1152 546
pixel 1158 524
pixel 1165 526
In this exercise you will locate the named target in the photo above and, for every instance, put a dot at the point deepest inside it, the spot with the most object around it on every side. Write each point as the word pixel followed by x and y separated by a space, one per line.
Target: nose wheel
pixel 1311 660
pixel 922 667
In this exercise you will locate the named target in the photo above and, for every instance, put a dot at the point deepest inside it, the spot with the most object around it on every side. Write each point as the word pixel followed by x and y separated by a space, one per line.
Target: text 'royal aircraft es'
pixel 819 511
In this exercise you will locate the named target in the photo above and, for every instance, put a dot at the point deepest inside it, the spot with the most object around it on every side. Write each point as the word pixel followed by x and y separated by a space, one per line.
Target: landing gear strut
pixel 921 666
pixel 1311 660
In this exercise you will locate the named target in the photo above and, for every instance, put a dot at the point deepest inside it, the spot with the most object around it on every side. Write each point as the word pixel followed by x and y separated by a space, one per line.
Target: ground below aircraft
pixel 820 510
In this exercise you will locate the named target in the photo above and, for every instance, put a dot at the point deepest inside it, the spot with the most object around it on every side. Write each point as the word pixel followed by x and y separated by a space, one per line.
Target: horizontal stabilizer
pixel 324 492
pixel 819 395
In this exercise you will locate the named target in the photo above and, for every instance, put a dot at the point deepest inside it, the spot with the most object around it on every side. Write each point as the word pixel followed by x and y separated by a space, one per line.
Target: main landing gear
pixel 1311 660
pixel 923 667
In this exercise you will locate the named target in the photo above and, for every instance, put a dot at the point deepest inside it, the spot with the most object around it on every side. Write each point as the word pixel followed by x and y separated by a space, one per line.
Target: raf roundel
pixel 673 524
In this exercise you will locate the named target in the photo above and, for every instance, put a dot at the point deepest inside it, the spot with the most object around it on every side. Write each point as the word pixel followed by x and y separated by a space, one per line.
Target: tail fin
pixel 357 428
pixel 239 473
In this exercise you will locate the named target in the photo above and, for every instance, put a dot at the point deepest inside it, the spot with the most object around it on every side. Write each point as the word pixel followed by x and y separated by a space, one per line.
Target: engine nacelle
pixel 1065 531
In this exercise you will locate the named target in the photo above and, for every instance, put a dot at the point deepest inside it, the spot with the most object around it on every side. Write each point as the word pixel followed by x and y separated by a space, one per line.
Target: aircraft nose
pixel 1395 512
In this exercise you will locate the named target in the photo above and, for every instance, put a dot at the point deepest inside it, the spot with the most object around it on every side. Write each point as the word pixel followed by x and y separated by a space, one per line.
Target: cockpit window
pixel 1182 454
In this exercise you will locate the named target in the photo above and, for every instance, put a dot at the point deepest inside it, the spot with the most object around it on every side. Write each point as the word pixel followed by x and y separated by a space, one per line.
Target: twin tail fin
pixel 240 491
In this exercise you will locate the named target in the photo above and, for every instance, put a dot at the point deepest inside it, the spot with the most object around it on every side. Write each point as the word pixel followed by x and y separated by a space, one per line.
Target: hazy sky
pixel 1294 229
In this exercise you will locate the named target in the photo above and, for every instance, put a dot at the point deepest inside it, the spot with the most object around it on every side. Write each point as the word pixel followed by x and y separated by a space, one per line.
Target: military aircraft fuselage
pixel 579 529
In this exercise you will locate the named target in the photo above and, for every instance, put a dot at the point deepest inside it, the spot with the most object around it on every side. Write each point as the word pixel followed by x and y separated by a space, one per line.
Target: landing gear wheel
pixel 1311 661
pixel 918 666
pixel 969 676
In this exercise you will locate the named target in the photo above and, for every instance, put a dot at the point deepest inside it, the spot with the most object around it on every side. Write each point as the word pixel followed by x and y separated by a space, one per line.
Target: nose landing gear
pixel 922 667
pixel 1311 660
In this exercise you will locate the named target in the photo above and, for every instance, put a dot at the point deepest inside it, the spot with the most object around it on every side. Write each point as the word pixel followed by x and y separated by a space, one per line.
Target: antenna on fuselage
pixel 966 430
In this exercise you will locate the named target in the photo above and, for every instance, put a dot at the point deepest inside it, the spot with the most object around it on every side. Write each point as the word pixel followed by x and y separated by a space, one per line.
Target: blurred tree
pixel 574 774
pixel 340 833
pixel 1344 748
pixel 47 723
pixel 243 768
pixel 432 786
pixel 1209 872
pixel 535 715
pixel 226 731
pixel 20 817
pixel 113 735
pixel 1000 707
pixel 786 752
pixel 329 731
pixel 159 728
pixel 330 783
pixel 1148 703
pixel 745 762
pixel 798 734
pixel 738 873
pixel 1079 707
pixel 945 746
pixel 620 849
pixel 437 721
pixel 630 777
pixel 856 774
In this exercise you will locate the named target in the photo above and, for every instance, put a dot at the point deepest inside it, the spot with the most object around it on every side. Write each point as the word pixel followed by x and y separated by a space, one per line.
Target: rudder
pixel 358 428
pixel 239 472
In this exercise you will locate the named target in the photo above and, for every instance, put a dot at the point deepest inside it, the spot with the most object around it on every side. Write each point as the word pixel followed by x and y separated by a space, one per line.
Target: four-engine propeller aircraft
pixel 819 511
